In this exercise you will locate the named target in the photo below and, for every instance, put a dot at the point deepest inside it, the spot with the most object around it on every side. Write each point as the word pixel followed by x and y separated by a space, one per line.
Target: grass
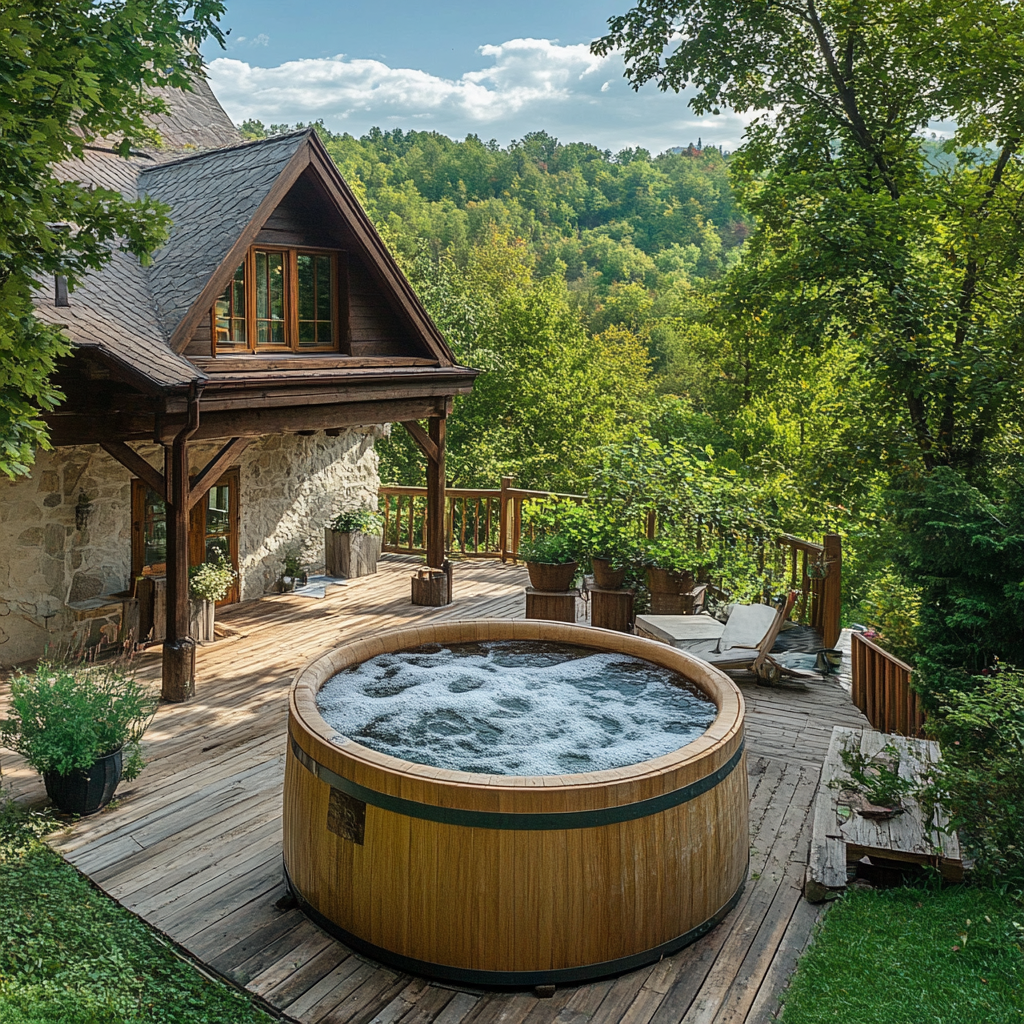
pixel 913 956
pixel 70 955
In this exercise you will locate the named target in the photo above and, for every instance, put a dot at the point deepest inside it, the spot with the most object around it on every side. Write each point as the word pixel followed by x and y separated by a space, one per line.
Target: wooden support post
pixel 436 494
pixel 503 524
pixel 831 590
pixel 179 652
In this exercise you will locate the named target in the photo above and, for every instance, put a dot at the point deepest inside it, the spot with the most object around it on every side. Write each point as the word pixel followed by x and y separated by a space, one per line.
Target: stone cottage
pixel 224 399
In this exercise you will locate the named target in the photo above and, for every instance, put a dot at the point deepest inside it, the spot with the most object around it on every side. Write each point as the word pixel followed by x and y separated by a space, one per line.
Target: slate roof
pixel 129 313
pixel 214 196
pixel 194 121
pixel 112 309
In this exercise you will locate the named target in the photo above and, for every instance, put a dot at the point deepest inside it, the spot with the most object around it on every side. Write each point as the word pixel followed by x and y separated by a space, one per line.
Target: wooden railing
pixel 488 523
pixel 815 573
pixel 480 522
pixel 881 689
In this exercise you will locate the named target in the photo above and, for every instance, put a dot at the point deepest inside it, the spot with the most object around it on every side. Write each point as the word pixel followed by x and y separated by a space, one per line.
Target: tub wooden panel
pixel 492 899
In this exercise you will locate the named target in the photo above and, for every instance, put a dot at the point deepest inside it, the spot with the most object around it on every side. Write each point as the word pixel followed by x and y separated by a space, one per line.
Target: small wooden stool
pixel 555 605
pixel 611 609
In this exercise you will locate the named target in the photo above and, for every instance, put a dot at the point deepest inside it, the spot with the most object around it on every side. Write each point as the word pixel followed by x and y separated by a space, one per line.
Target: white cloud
pixel 530 84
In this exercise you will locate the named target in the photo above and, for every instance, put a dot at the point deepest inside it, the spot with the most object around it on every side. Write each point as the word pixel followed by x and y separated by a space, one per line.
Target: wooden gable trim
pixel 382 265
pixel 237 253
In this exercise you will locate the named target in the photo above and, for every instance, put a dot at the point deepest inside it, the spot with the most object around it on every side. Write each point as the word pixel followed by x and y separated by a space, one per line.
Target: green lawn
pixel 70 955
pixel 913 956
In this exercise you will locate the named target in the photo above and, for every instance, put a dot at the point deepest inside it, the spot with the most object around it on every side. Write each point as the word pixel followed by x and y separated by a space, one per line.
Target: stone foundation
pixel 65 531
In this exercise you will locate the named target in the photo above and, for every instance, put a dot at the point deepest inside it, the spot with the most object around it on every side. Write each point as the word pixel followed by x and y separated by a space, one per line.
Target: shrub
pixel 210 581
pixel 964 551
pixel 65 718
pixel 893 608
pixel 980 779
pixel 358 520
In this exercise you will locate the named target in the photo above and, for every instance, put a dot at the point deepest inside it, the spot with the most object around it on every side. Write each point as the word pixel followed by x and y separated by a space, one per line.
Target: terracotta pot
pixel 87 790
pixel 605 576
pixel 668 581
pixel 552 576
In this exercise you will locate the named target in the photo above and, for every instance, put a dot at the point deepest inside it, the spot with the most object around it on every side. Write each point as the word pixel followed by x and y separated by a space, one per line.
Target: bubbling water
pixel 515 708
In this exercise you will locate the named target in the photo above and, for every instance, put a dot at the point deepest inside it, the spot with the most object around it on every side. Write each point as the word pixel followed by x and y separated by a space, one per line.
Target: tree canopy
pixel 75 73
pixel 862 238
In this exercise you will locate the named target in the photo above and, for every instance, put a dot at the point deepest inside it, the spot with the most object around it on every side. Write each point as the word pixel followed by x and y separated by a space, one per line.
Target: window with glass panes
pixel 280 299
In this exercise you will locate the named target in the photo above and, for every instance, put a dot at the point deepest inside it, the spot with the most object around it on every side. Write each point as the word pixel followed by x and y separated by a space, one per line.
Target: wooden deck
pixel 193 846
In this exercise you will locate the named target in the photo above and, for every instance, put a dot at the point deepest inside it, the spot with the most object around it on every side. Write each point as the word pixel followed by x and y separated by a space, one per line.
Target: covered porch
pixel 194 845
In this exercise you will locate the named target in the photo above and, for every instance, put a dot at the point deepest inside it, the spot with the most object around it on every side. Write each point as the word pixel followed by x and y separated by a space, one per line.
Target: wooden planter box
pixel 201 616
pixel 351 554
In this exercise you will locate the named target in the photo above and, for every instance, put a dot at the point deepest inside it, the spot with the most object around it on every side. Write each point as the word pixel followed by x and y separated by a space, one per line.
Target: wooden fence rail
pixel 488 523
pixel 881 689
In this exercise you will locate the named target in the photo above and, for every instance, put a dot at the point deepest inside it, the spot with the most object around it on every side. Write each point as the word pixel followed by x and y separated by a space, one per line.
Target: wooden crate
pixel 611 609
pixel 555 605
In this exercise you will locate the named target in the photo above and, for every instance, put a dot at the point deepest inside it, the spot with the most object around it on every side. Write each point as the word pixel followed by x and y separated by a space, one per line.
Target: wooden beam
pixel 422 438
pixel 435 494
pixel 214 469
pixel 135 463
pixel 291 419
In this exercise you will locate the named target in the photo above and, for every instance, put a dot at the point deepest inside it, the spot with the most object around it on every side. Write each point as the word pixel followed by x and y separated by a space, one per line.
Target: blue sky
pixel 498 70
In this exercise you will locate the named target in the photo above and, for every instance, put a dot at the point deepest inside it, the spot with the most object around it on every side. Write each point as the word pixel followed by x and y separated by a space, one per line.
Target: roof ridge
pixel 227 149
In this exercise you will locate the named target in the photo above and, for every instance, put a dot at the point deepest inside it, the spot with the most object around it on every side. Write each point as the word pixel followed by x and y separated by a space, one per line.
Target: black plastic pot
pixel 87 790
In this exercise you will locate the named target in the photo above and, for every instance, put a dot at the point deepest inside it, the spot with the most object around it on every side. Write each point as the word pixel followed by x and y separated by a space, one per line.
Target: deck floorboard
pixel 193 845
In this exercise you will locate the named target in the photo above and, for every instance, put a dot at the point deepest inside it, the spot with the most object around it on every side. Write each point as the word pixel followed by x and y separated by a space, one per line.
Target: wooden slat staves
pixel 882 690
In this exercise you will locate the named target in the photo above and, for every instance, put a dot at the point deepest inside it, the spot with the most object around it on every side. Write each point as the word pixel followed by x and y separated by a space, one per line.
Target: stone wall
pixel 65 531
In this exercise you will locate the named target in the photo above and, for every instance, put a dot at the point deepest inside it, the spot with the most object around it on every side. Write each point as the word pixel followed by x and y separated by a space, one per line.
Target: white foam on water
pixel 508 708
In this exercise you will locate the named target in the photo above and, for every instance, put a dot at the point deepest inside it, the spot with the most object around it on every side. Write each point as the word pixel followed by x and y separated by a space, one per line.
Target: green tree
pixel 551 397
pixel 862 239
pixel 75 73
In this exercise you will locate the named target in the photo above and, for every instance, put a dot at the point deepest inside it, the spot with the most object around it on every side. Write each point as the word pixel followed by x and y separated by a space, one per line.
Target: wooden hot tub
pixel 514 880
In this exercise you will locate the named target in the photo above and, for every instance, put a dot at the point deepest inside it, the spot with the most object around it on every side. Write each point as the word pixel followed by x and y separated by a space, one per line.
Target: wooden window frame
pixel 339 293
pixel 196 531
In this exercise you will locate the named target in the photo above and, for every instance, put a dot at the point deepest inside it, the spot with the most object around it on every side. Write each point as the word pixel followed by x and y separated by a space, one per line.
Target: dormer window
pixel 280 300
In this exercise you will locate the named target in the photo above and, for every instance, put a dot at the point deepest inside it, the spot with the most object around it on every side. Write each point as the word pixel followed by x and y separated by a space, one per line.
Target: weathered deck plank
pixel 193 846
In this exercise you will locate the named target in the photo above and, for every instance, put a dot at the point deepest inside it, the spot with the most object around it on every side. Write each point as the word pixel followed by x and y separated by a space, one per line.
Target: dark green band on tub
pixel 550 821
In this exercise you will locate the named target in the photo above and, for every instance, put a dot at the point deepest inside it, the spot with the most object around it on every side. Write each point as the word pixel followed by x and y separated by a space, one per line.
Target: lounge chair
pixel 733 656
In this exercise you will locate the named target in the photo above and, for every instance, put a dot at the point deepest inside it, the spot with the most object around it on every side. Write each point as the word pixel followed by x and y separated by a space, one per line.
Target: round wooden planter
pixel 668 581
pixel 502 880
pixel 605 576
pixel 551 575
pixel 88 790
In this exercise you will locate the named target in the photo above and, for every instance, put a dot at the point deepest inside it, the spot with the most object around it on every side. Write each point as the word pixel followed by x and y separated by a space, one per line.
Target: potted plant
pixel 208 583
pixel 551 560
pixel 670 579
pixel 352 543
pixel 80 728
pixel 292 573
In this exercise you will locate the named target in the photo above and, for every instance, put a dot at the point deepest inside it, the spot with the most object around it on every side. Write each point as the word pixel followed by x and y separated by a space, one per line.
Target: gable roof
pixel 140 319
pixel 213 198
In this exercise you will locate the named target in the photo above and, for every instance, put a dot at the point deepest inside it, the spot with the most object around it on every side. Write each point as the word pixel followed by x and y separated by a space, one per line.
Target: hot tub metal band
pixel 547 821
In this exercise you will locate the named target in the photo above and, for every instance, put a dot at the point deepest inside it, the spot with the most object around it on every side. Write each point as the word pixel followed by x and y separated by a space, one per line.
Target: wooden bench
pixel 841 836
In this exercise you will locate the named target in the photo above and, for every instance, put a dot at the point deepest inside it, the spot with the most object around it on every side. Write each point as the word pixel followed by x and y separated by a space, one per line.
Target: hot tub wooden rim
pixel 394 777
